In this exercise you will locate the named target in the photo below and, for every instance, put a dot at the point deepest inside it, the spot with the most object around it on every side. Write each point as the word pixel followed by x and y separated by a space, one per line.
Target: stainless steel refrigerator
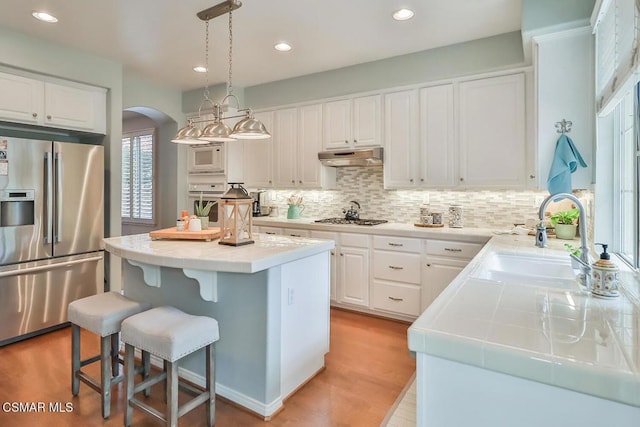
pixel 51 229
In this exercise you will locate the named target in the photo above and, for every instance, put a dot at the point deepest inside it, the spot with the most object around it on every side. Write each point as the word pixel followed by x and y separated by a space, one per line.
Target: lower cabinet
pixel 328 235
pixel 353 269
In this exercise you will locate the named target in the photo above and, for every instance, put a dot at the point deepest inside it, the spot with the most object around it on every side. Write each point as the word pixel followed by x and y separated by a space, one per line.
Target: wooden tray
pixel 171 233
pixel 417 224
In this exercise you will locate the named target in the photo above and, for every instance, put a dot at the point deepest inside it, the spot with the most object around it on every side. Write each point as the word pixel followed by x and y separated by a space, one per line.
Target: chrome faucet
pixel 541 233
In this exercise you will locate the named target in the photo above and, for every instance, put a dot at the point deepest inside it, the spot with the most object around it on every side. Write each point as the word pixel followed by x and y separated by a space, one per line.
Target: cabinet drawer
pixel 396 297
pixel 295 232
pixel 452 249
pixel 357 240
pixel 396 266
pixel 402 244
pixel 270 230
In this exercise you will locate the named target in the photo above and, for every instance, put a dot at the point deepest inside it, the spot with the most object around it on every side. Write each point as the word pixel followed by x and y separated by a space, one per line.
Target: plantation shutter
pixel 138 177
pixel 125 208
pixel 615 24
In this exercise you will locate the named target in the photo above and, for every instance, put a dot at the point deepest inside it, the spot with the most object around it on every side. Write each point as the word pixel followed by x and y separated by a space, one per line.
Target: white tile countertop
pixel 467 234
pixel 266 252
pixel 553 332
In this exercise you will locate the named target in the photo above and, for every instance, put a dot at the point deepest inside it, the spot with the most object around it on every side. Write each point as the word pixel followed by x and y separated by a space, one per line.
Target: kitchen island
pixel 271 300
pixel 515 340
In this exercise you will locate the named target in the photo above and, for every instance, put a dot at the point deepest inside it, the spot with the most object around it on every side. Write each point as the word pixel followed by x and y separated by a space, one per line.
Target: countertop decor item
pixel 235 208
pixel 202 212
pixel 455 216
pixel 604 276
pixel 418 224
pixel 566 160
pixel 564 223
pixel 173 233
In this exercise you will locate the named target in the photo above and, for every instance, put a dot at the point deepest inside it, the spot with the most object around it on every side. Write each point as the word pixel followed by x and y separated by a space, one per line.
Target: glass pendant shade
pixel 250 128
pixel 216 132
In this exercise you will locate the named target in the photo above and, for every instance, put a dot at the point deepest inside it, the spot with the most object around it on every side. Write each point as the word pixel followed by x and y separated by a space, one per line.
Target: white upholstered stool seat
pixel 170 334
pixel 101 314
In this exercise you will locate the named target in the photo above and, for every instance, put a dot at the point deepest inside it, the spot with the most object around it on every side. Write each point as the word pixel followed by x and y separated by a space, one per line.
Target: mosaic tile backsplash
pixel 487 209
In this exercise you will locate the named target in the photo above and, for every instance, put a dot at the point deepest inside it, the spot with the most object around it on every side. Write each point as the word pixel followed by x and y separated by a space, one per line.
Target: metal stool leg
pixel 128 380
pixel 172 394
pixel 75 359
pixel 105 375
pixel 211 386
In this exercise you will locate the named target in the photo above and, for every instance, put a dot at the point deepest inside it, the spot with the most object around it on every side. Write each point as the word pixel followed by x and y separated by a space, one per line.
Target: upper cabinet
pixel 62 106
pixel 564 87
pixel 492 138
pixel 470 134
pixel 351 123
pixel 289 159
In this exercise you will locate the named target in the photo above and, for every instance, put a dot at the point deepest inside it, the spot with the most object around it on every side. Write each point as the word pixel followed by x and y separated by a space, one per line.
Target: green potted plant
pixel 202 212
pixel 564 222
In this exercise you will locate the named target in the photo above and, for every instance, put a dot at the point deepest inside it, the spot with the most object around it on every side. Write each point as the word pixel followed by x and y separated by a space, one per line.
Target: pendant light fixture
pixel 216 130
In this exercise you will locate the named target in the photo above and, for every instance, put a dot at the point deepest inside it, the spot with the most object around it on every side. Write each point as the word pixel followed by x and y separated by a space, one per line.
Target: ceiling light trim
pixel 403 14
pixel 44 17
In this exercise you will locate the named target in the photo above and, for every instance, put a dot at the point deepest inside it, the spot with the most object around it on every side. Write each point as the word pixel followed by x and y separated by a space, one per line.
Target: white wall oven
pixel 207 159
pixel 212 188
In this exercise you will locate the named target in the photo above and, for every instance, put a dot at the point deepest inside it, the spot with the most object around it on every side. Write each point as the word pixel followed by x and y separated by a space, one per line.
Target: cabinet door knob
pixel 341 254
pixel 269 181
pixel 421 179
pixel 300 182
pixel 48 116
pixel 411 180
pixel 34 115
pixel 293 181
pixel 355 141
pixel 346 141
pixel 532 176
pixel 461 179
pixel 428 265
pixel 332 253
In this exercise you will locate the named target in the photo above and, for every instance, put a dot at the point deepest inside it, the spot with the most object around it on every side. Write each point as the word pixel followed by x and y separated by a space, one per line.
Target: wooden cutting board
pixel 171 233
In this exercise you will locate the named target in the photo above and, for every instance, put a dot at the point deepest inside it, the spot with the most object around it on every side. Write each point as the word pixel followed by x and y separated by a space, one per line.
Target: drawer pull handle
pixel 396 299
pixel 396 267
pixel 296 235
pixel 453 249
pixel 395 244
pixel 269 232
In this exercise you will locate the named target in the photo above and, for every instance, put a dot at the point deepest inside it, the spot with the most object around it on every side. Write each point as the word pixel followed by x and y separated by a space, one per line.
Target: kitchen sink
pixel 533 270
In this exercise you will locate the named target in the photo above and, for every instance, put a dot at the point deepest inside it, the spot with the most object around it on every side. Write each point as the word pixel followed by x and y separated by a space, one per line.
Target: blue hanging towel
pixel 565 162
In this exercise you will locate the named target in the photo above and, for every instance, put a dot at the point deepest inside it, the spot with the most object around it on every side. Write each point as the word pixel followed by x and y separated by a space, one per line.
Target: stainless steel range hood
pixel 356 157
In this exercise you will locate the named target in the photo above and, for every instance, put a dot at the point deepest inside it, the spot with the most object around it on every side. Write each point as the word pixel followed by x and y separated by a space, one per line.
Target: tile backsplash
pixel 498 209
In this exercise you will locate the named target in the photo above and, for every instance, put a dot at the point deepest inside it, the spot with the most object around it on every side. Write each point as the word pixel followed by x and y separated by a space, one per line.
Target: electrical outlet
pixel 425 198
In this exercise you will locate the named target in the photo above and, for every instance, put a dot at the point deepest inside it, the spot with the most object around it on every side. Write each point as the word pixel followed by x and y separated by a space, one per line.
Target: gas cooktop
pixel 351 221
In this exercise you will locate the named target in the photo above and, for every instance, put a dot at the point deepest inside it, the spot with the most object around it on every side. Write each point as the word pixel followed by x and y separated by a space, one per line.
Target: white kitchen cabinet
pixel 53 104
pixel 442 262
pixel 257 155
pixel 284 147
pixel 310 173
pixel 401 139
pixel 351 123
pixel 21 100
pixel 269 230
pixel 492 138
pixel 563 64
pixel 333 264
pixel 295 232
pixel 438 151
pixel 353 269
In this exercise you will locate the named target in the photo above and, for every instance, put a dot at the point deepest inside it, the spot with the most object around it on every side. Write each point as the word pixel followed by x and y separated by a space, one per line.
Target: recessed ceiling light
pixel 282 47
pixel 200 69
pixel 44 16
pixel 403 14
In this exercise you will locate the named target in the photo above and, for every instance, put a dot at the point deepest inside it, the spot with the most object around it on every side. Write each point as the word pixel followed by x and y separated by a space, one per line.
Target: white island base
pixel 274 322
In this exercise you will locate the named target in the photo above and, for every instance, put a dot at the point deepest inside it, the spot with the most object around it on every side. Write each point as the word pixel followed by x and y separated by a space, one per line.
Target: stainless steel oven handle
pixel 48 267
pixel 48 198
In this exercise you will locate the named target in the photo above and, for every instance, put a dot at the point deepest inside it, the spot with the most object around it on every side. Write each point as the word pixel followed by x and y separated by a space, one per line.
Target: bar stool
pixel 101 314
pixel 170 334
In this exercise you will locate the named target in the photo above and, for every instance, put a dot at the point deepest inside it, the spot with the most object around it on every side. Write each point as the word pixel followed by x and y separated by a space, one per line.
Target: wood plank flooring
pixel 366 369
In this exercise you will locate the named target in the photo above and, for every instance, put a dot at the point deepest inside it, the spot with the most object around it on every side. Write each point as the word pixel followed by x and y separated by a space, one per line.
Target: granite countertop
pixel 553 334
pixel 267 251
pixel 467 234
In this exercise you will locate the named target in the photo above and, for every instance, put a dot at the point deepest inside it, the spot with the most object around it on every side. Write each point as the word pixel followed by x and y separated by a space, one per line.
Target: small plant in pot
pixel 564 222
pixel 202 212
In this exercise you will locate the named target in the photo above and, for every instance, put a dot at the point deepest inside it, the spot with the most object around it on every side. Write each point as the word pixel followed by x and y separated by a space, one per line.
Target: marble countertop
pixel 557 335
pixel 467 234
pixel 267 251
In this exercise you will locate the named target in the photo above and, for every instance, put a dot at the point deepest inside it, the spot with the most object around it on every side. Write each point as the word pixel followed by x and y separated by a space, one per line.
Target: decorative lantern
pixel 235 213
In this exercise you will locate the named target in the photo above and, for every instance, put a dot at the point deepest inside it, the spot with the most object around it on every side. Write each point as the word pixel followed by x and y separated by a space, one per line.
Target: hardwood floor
pixel 366 369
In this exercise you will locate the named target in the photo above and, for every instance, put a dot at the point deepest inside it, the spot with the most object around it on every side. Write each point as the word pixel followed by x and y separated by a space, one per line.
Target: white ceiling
pixel 162 40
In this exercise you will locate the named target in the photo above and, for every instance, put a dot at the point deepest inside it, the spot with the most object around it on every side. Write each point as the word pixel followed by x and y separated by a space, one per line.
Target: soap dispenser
pixel 604 276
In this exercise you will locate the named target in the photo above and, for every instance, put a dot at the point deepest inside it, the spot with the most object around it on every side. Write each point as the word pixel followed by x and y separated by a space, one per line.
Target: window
pixel 138 176
pixel 626 159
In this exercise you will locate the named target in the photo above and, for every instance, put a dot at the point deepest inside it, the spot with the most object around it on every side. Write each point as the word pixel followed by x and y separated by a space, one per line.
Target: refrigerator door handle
pixel 46 267
pixel 57 232
pixel 48 198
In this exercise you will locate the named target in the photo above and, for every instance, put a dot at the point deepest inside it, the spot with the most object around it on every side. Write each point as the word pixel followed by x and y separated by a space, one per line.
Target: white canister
pixel 455 216
pixel 195 224
pixel 426 219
